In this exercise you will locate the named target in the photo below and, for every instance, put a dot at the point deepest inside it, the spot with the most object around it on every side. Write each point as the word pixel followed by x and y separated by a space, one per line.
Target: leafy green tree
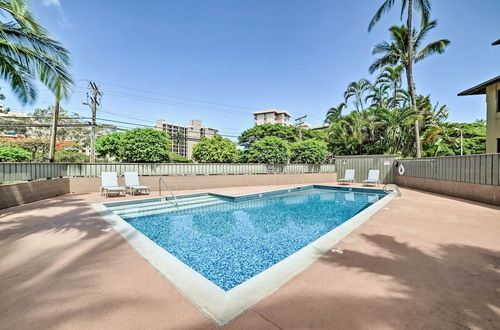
pixel 215 150
pixel 269 150
pixel 108 146
pixel 308 152
pixel 145 145
pixel 68 156
pixel 14 154
pixel 251 135
pixel 28 53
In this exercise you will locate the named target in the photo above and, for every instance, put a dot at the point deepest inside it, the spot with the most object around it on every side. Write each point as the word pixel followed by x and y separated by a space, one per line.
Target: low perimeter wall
pixel 476 192
pixel 16 194
pixel 20 193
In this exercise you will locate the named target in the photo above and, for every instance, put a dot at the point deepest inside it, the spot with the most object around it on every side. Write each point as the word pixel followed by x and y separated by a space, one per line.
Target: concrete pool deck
pixel 424 261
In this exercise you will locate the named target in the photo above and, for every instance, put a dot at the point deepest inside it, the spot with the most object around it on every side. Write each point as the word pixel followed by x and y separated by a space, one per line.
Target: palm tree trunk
pixel 53 133
pixel 409 77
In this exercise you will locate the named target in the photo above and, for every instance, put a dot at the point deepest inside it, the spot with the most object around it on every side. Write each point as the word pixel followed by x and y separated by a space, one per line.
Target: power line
pixel 176 97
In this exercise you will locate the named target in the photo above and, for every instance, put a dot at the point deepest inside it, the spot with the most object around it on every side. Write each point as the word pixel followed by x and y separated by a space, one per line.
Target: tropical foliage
pixel 14 154
pixel 308 152
pixel 215 150
pixel 269 150
pixel 28 53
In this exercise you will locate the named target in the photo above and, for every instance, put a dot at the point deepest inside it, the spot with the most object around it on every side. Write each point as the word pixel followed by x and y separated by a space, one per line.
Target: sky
pixel 220 60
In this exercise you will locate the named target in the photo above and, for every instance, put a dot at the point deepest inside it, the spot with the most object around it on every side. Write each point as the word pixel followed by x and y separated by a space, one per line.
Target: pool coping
pixel 221 306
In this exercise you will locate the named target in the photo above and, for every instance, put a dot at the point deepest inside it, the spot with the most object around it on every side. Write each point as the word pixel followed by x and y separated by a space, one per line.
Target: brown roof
pixel 481 88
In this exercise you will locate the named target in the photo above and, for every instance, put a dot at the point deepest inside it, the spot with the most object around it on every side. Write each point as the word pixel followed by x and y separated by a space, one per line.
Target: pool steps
pixel 143 209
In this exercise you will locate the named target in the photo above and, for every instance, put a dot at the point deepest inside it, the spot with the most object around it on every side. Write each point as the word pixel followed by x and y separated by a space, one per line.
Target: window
pixel 498 100
pixel 498 146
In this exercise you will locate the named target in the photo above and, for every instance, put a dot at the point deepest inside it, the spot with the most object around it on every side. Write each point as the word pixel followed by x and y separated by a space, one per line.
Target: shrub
pixel 14 154
pixel 308 152
pixel 66 156
pixel 215 150
pixel 269 150
pixel 176 158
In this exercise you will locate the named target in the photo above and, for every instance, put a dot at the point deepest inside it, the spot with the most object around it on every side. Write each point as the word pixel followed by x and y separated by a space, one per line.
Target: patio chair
pixel 132 184
pixel 373 178
pixel 109 184
pixel 348 177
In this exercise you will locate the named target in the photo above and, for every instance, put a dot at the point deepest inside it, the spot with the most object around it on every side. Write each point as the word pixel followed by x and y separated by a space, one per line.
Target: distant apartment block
pixel 185 137
pixel 272 117
pixel 12 132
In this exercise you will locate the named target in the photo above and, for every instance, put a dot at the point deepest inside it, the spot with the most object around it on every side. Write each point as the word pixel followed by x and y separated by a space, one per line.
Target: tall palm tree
pixel 28 53
pixel 357 89
pixel 392 75
pixel 424 8
pixel 399 51
pixel 334 113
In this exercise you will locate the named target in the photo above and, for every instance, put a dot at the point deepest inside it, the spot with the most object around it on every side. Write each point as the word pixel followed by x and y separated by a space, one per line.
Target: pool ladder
pixel 160 181
pixel 395 189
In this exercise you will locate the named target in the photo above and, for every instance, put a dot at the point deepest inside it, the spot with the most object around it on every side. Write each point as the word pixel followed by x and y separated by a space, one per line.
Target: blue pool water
pixel 230 242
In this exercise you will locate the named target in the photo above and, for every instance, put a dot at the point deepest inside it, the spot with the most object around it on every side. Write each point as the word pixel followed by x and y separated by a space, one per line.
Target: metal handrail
pixel 160 181
pixel 395 189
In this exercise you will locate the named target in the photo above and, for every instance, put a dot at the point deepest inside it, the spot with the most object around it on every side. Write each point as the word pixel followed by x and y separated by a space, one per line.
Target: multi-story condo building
pixel 185 137
pixel 272 117
pixel 491 89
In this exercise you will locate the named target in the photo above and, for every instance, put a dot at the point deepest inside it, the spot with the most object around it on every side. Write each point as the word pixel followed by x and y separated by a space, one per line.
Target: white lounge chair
pixel 109 184
pixel 373 178
pixel 348 177
pixel 132 184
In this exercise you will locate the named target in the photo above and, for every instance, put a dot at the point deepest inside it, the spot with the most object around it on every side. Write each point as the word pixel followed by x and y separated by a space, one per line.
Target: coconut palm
pixel 334 113
pixel 357 89
pixel 424 8
pixel 398 51
pixel 391 75
pixel 28 53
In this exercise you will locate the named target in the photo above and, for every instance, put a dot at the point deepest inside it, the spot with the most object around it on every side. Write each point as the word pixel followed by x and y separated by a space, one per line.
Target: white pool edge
pixel 224 306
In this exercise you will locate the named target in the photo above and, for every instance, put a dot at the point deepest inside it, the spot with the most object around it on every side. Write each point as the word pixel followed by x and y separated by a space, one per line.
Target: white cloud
pixel 48 3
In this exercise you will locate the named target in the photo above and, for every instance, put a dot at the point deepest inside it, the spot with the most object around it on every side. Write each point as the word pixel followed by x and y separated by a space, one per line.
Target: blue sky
pixel 247 55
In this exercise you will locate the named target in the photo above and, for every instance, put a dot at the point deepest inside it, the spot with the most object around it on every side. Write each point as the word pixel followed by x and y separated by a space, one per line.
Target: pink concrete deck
pixel 425 261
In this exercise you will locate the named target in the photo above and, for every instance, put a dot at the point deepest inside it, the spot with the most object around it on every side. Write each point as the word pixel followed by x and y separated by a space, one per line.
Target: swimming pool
pixel 226 253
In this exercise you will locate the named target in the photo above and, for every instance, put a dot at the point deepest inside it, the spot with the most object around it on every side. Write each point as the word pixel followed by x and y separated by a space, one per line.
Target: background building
pixel 185 137
pixel 272 117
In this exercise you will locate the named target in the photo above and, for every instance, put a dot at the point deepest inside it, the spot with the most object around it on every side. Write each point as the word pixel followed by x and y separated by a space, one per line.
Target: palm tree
pixel 357 89
pixel 424 8
pixel 378 96
pixel 28 53
pixel 398 51
pixel 334 113
pixel 392 75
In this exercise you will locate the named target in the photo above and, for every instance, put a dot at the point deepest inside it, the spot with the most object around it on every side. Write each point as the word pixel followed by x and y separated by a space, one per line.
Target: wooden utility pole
pixel 53 131
pixel 299 122
pixel 93 95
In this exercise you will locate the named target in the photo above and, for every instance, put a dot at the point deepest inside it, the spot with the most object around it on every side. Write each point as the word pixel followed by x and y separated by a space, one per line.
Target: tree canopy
pixel 215 150
pixel 308 152
pixel 269 150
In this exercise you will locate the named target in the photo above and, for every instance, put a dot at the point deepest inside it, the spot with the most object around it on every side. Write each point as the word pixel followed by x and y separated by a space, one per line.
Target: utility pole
pixel 299 122
pixel 93 98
